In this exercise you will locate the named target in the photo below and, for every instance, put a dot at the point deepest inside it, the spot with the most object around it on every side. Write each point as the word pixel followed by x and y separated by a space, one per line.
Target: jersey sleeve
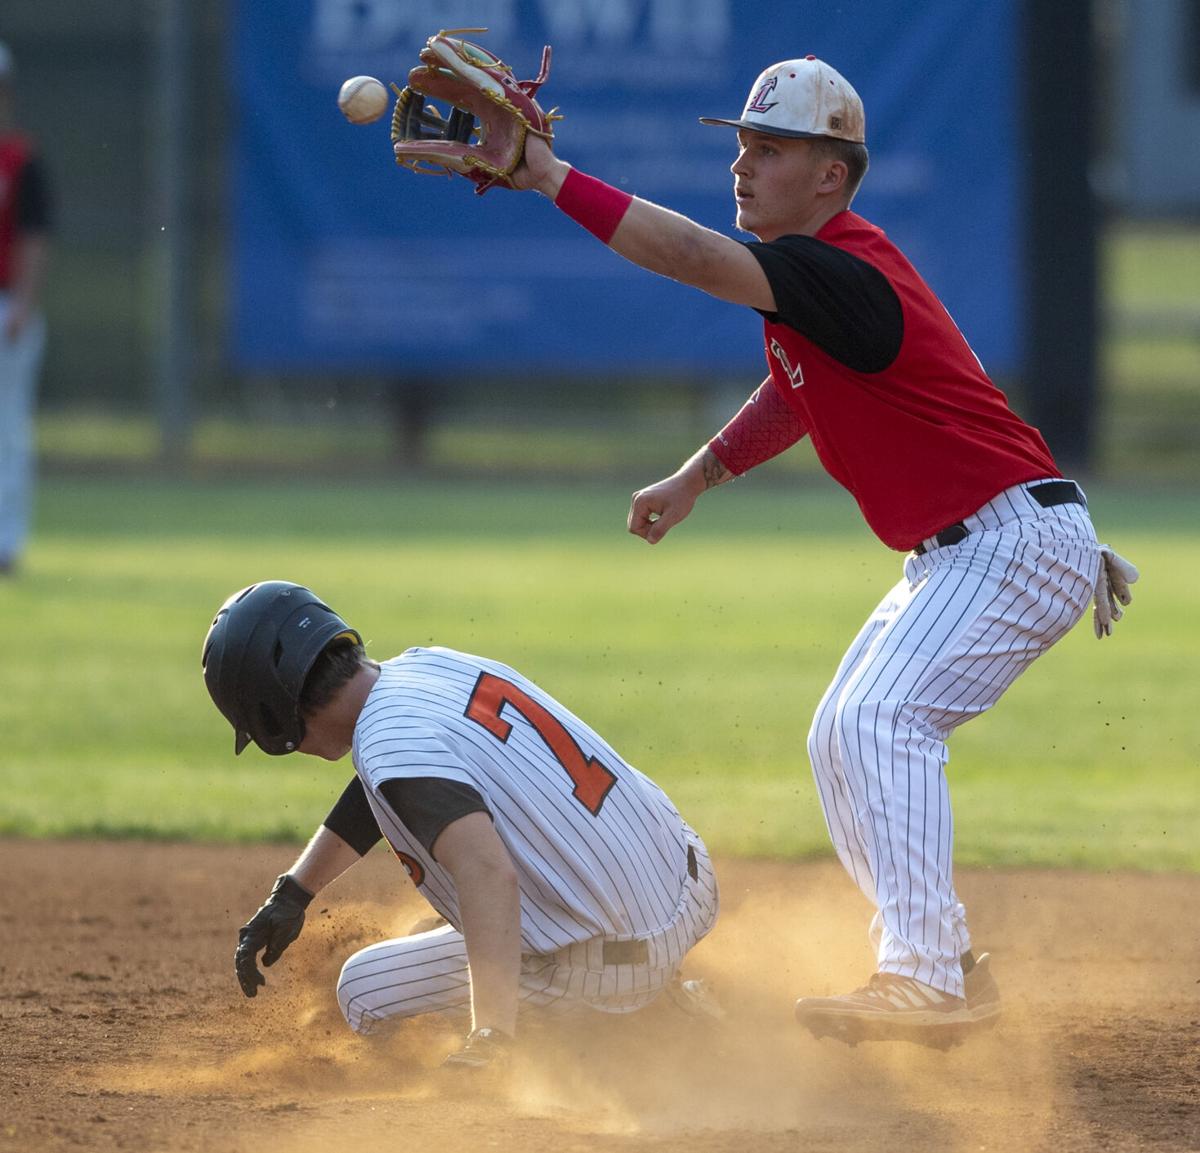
pixel 764 426
pixel 843 304
pixel 351 818
pixel 426 805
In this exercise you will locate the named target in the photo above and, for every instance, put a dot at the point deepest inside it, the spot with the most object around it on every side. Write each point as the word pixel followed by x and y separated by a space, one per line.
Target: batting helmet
pixel 260 648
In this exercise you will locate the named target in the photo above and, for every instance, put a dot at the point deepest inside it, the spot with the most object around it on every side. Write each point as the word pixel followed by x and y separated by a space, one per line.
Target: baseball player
pixel 566 878
pixel 24 232
pixel 1001 559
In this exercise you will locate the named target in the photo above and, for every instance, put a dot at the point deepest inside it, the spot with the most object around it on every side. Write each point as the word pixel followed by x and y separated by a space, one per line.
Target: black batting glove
pixel 486 1050
pixel 272 929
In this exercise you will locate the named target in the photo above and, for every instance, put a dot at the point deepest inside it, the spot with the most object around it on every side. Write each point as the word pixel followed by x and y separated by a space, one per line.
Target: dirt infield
pixel 122 1026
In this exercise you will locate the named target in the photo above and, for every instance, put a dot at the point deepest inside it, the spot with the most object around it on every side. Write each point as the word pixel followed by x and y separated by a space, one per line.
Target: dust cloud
pixel 658 1079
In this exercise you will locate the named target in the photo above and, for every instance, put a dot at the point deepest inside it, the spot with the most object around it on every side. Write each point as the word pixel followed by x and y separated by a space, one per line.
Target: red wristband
pixel 597 206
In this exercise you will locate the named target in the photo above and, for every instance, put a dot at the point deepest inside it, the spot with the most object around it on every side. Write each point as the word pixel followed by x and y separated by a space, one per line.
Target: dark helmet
pixel 260 648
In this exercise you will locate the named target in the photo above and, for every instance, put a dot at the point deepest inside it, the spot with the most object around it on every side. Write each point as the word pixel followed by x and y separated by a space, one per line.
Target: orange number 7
pixel 592 779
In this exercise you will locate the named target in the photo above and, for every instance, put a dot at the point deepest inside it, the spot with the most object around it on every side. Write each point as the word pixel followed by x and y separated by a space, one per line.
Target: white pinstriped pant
pixel 19 366
pixel 428 972
pixel 941 648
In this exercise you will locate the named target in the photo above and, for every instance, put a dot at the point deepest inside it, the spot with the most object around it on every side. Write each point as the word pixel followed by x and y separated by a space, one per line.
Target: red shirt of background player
pixel 15 152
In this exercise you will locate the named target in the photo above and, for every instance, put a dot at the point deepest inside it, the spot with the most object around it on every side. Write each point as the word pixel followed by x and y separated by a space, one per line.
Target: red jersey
pixel 14 155
pixel 920 443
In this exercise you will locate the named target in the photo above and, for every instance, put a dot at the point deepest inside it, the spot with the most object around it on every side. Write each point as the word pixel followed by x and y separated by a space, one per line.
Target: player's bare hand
pixel 654 511
pixel 270 931
pixel 540 168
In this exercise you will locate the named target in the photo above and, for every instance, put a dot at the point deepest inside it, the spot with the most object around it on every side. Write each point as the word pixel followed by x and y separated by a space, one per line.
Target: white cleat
pixel 888 1008
pixel 696 998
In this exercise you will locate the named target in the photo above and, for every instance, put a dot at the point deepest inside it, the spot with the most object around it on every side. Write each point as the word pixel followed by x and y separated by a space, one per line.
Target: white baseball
pixel 363 99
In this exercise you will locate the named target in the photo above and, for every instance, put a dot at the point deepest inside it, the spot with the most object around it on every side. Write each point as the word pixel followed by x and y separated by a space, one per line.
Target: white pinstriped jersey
pixel 599 848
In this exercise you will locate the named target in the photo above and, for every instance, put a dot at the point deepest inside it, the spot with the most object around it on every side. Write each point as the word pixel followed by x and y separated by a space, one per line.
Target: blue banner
pixel 342 260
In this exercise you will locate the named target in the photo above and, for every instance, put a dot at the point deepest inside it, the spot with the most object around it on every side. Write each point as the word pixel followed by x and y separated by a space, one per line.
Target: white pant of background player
pixel 941 648
pixel 20 362
pixel 427 973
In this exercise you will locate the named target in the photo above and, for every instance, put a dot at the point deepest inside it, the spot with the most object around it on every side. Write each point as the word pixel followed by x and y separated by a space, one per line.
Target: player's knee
pixel 854 725
pixel 350 1006
pixel 816 748
pixel 822 738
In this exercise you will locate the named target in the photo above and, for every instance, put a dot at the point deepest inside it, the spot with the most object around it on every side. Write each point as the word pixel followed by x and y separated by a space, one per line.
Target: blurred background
pixel 239 278
pixel 274 353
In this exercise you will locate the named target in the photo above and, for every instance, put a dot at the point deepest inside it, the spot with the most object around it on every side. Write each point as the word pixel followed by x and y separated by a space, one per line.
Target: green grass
pixel 701 659
pixel 461 440
pixel 1149 420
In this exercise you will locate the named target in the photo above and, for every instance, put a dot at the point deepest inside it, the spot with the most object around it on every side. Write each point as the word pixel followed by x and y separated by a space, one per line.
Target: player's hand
pixel 654 511
pixel 539 168
pixel 486 1050
pixel 1112 593
pixel 271 930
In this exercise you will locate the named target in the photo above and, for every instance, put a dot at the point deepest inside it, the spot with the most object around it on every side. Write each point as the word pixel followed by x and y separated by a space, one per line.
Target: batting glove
pixel 272 929
pixel 485 1050
pixel 1115 576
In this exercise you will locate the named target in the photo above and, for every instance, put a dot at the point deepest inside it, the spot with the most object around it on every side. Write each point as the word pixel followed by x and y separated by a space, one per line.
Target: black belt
pixel 638 952
pixel 1049 494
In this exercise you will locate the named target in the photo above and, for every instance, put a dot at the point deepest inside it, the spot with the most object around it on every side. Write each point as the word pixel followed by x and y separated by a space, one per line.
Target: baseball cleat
pixel 983 995
pixel 696 998
pixel 888 1008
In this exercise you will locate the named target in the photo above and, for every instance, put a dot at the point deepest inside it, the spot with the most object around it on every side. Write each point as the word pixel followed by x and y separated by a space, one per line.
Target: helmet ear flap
pixel 274 735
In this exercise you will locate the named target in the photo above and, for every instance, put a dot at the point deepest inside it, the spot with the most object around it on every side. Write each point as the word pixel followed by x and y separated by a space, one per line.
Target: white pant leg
pixel 20 362
pixel 834 788
pixel 404 977
pixel 942 647
pixel 428 972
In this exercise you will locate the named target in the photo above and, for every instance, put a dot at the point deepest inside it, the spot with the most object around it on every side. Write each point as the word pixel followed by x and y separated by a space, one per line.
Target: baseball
pixel 363 99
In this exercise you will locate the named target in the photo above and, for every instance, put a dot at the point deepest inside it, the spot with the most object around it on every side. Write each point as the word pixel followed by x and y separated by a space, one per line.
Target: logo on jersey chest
pixel 795 375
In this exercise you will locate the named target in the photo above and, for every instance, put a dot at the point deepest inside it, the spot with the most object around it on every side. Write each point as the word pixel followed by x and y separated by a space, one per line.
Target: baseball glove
pixel 486 1050
pixel 272 929
pixel 489 112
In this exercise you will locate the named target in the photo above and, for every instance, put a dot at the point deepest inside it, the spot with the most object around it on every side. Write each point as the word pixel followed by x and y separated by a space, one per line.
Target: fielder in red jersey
pixel 1002 559
pixel 917 384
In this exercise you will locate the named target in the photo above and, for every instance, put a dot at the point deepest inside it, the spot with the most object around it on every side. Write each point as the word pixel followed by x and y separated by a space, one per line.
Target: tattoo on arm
pixel 715 472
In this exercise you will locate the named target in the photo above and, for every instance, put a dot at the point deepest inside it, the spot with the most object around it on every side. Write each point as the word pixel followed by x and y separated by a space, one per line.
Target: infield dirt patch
pixel 123 1028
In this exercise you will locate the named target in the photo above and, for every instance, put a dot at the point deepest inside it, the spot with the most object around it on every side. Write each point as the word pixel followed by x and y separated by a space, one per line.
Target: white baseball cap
pixel 802 98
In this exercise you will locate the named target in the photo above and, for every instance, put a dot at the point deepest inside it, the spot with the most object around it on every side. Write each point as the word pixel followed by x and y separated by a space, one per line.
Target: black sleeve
pixel 426 805
pixel 351 818
pixel 844 305
pixel 33 198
